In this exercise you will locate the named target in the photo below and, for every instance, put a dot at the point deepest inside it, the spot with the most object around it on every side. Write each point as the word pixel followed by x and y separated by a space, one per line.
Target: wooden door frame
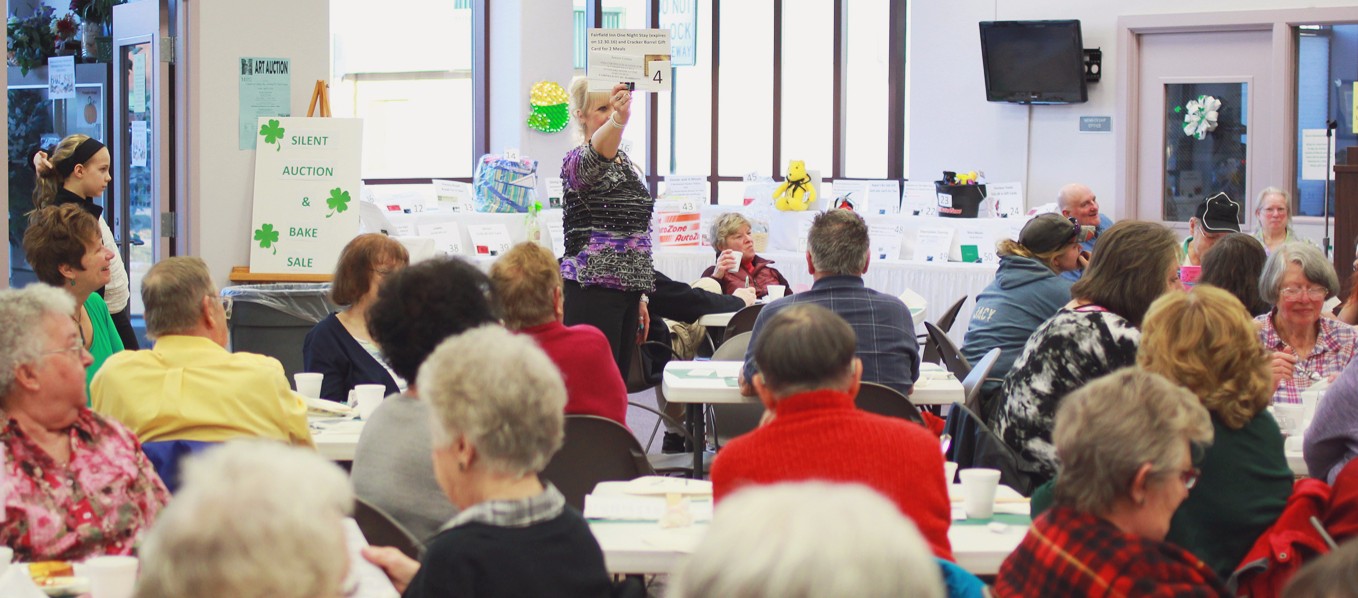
pixel 1282 67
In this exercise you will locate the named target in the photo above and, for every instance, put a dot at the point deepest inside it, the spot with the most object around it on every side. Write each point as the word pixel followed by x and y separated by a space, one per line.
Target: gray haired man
pixel 837 258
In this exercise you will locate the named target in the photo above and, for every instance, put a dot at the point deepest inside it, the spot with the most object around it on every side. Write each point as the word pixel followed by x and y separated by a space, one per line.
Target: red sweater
pixel 820 435
pixel 578 351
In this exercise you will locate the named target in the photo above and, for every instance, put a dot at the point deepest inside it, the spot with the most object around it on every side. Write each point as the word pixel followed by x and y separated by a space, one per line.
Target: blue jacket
pixel 1024 294
pixel 329 349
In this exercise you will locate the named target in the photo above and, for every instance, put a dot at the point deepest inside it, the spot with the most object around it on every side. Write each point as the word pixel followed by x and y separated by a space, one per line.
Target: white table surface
pixel 715 382
pixel 337 438
pixel 721 319
pixel 643 547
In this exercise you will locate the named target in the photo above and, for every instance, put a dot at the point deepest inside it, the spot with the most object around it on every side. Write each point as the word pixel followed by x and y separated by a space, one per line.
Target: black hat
pixel 1051 231
pixel 1218 214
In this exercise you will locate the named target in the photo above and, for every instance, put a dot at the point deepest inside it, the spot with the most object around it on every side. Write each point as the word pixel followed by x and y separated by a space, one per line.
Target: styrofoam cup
pixel 111 576
pixel 369 398
pixel 308 384
pixel 978 491
pixel 949 471
pixel 776 291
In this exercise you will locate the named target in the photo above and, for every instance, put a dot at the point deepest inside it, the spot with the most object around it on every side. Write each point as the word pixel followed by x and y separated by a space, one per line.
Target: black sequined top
pixel 607 221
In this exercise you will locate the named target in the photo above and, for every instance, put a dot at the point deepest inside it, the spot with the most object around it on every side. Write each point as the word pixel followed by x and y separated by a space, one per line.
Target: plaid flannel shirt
pixel 1068 553
pixel 1335 345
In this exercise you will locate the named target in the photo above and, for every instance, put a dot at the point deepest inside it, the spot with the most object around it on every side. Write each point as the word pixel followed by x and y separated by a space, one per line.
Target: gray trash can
pixel 274 319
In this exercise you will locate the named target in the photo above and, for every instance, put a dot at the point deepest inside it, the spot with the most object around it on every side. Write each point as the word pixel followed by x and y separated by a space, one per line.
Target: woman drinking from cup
pixel 737 265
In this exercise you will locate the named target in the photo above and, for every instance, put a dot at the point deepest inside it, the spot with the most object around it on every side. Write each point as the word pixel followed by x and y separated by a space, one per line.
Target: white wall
pixel 220 177
pixel 531 41
pixel 953 127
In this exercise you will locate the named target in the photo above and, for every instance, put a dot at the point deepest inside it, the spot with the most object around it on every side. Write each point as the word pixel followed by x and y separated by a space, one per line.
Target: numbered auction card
pixel 919 199
pixel 639 56
pixel 977 245
pixel 306 193
pixel 447 238
pixel 932 244
pixel 1008 198
pixel 886 240
pixel 456 195
pixel 489 239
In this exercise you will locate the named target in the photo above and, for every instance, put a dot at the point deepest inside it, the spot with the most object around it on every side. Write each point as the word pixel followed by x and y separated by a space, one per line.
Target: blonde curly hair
pixel 1205 341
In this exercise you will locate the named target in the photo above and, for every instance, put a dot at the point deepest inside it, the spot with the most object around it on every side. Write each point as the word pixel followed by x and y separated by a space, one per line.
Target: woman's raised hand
pixel 621 101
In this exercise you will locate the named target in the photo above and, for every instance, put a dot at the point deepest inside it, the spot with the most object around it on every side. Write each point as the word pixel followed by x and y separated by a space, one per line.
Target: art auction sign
pixel 306 193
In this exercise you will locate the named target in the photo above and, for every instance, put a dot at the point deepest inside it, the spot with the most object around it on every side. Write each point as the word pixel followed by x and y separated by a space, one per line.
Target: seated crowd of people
pixel 1134 411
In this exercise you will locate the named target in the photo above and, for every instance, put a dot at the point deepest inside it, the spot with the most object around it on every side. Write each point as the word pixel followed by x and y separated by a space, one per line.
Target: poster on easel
pixel 306 193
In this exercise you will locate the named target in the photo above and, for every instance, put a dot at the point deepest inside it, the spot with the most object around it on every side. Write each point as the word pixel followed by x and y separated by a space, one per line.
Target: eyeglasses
pixel 226 306
pixel 76 350
pixel 1314 293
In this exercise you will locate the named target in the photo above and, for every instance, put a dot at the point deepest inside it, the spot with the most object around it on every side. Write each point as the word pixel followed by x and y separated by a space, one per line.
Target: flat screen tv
pixel 1033 62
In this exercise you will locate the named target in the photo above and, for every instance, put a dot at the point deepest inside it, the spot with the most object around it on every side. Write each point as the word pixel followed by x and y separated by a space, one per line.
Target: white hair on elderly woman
pixel 809 539
pixel 253 518
pixel 499 391
pixel 22 312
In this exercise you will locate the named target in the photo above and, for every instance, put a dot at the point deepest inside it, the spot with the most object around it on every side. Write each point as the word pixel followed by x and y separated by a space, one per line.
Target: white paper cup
pixel 1288 416
pixel 111 576
pixel 6 555
pixel 369 397
pixel 1309 400
pixel 308 384
pixel 776 291
pixel 949 472
pixel 978 491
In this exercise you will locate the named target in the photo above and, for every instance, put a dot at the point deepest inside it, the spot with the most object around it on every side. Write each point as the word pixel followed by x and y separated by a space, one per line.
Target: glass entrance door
pixel 141 129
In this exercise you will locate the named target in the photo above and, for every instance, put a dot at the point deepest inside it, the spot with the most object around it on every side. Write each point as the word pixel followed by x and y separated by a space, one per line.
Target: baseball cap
pixel 1049 232
pixel 1219 214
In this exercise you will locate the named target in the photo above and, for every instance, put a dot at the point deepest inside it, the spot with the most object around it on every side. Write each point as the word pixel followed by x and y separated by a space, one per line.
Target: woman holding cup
pixel 737 265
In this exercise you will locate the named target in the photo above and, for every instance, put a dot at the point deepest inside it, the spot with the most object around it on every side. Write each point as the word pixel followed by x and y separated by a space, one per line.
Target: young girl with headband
pixel 76 172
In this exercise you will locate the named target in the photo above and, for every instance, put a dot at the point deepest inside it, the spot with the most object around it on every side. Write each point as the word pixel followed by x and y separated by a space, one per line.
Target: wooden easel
pixel 320 95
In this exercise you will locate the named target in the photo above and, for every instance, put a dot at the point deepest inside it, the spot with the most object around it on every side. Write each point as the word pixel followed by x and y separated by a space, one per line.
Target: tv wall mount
pixel 1093 64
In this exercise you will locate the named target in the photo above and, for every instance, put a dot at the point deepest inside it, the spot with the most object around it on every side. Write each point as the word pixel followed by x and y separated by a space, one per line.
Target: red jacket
pixel 579 351
pixel 1280 551
pixel 821 435
pixel 760 273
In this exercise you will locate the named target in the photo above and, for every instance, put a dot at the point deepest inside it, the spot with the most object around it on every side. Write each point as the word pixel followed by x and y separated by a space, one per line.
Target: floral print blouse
pixel 98 504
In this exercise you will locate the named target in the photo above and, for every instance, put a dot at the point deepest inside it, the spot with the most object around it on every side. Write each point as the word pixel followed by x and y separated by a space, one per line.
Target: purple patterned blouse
pixel 607 218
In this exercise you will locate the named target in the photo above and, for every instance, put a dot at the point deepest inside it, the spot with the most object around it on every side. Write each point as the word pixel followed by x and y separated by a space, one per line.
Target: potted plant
pixel 97 16
pixel 30 40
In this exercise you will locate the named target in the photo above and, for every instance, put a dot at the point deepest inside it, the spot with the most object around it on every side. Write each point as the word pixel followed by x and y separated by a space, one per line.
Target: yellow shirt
pixel 190 388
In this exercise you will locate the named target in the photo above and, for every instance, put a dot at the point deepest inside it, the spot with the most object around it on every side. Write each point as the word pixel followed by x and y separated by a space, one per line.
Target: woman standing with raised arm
pixel 607 217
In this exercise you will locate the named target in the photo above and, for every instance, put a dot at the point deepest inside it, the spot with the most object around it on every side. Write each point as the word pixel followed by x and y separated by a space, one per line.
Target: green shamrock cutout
pixel 267 236
pixel 272 133
pixel 338 201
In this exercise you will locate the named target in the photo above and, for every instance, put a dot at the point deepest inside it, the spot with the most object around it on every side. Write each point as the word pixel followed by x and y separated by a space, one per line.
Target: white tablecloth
pixel 939 284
